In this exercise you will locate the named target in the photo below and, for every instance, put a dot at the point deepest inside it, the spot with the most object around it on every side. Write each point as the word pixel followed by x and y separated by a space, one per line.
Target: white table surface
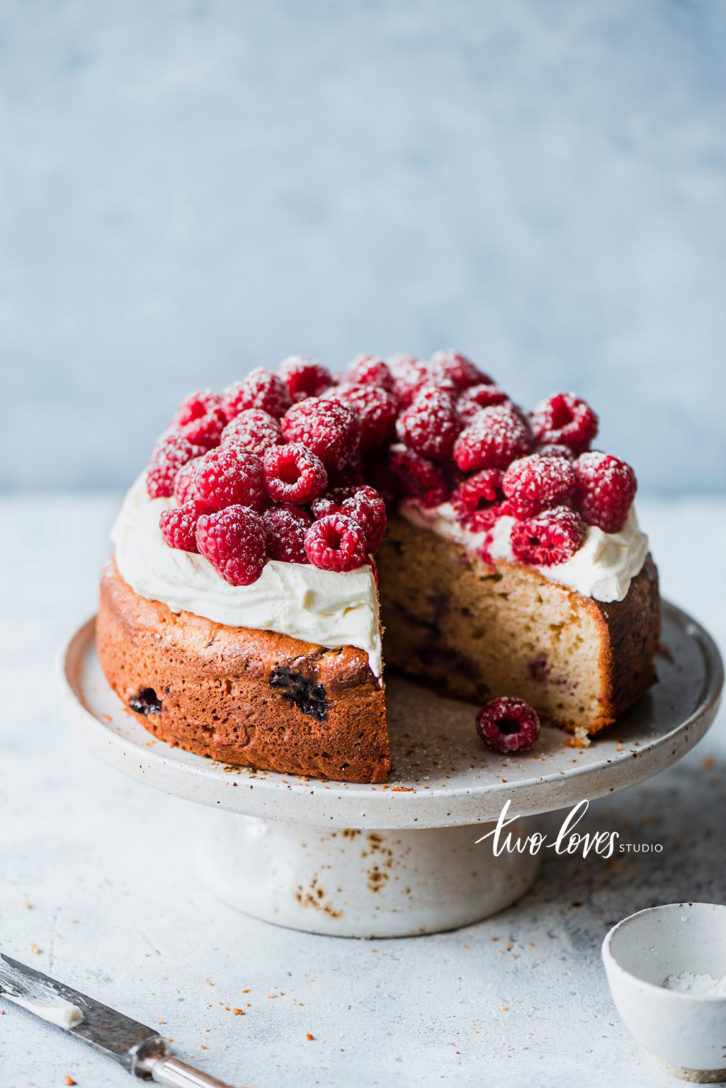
pixel 96 885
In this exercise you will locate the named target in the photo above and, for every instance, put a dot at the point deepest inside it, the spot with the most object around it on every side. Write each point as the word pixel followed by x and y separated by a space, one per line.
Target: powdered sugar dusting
pixel 493 439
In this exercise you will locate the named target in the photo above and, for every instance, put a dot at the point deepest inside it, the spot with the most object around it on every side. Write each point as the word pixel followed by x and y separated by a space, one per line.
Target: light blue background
pixel 188 190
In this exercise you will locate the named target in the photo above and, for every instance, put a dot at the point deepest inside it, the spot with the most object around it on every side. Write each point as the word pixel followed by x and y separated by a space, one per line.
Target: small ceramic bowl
pixel 684 1030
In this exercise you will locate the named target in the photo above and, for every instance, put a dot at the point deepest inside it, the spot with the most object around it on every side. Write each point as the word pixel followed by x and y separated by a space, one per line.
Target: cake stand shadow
pixel 401 858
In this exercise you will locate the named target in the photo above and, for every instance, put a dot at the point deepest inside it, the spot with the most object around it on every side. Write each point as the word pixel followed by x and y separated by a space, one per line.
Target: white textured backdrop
pixel 188 190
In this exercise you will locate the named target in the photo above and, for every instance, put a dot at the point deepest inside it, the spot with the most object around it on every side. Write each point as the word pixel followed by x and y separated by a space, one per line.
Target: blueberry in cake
pixel 240 615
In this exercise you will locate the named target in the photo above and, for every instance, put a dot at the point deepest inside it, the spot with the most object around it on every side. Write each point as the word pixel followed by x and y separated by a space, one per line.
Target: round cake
pixel 278 522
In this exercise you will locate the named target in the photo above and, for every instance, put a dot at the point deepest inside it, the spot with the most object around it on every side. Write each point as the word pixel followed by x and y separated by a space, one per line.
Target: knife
pixel 140 1050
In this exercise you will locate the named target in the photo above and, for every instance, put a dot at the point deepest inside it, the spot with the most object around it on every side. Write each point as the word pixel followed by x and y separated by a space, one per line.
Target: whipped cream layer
pixel 328 608
pixel 602 568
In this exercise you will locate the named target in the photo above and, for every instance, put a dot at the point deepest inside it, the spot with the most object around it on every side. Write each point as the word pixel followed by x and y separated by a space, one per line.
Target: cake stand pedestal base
pixel 352 882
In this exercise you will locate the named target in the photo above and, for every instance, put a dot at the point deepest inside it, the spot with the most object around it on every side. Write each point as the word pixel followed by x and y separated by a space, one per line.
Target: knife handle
pixel 177 1074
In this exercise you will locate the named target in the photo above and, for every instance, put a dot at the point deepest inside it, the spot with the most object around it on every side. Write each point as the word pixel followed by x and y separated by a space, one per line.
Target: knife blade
pixel 139 1049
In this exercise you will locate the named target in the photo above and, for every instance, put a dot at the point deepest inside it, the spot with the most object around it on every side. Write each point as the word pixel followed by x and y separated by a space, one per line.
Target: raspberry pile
pixel 297 465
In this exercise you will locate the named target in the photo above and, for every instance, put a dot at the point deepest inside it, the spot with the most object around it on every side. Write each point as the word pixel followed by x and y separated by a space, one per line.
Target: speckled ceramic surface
pixel 442 776
pixel 349 882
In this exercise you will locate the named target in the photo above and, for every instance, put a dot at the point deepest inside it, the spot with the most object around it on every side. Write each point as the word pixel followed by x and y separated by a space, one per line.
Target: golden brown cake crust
pixel 479 632
pixel 630 634
pixel 242 696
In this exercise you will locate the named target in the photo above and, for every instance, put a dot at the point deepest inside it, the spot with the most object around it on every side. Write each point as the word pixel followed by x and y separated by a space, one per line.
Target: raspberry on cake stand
pixel 402 858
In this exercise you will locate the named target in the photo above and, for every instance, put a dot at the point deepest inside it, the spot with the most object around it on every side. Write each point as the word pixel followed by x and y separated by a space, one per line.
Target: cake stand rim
pixel 386 808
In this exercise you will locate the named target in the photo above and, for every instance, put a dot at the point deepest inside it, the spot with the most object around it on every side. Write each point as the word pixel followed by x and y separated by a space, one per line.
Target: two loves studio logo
pixel 567 841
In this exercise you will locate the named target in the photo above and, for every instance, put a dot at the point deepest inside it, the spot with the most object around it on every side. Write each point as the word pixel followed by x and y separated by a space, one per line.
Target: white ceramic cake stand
pixel 377 861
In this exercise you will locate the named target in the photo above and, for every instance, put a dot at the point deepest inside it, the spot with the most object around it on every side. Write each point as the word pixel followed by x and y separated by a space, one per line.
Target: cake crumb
pixel 579 739
pixel 34 948
pixel 238 1012
pixel 309 1037
pixel 69 1080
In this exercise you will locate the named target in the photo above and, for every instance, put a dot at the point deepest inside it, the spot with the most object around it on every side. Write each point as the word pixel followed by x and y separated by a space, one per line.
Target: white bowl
pixel 686 1031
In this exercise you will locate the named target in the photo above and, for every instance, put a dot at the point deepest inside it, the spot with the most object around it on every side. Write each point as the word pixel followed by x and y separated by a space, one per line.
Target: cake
pixel 276 523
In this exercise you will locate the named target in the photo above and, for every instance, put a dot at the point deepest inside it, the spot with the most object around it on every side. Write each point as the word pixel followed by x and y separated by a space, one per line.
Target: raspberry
pixel 185 482
pixel 548 539
pixel 410 377
pixel 285 528
pixel 400 361
pixel 535 483
pixel 260 389
pixel 482 521
pixel 508 725
pixel 566 420
pixel 417 477
pixel 430 425
pixel 201 418
pixel 606 488
pixel 376 408
pixel 170 454
pixel 230 477
pixel 252 430
pixel 477 397
pixel 293 473
pixel 494 437
pixel 363 504
pixel 327 427
pixel 461 370
pixel 304 377
pixel 336 543
pixel 370 370
pixel 368 509
pixel 406 371
pixel 179 526
pixel 477 498
pixel 553 449
pixel 233 540
pixel 331 503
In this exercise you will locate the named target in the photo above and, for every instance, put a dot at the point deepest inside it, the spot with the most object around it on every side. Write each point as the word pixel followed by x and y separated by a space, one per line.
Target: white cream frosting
pixel 328 608
pixel 602 568
pixel 56 1011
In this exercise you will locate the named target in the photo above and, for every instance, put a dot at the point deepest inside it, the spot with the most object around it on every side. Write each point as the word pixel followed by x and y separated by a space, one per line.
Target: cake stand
pixel 401 858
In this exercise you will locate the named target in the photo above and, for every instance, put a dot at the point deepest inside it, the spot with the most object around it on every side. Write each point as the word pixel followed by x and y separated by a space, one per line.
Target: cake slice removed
pixel 480 629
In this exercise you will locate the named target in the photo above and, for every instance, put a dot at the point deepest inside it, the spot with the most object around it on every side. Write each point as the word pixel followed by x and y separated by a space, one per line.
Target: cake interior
pixel 454 622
